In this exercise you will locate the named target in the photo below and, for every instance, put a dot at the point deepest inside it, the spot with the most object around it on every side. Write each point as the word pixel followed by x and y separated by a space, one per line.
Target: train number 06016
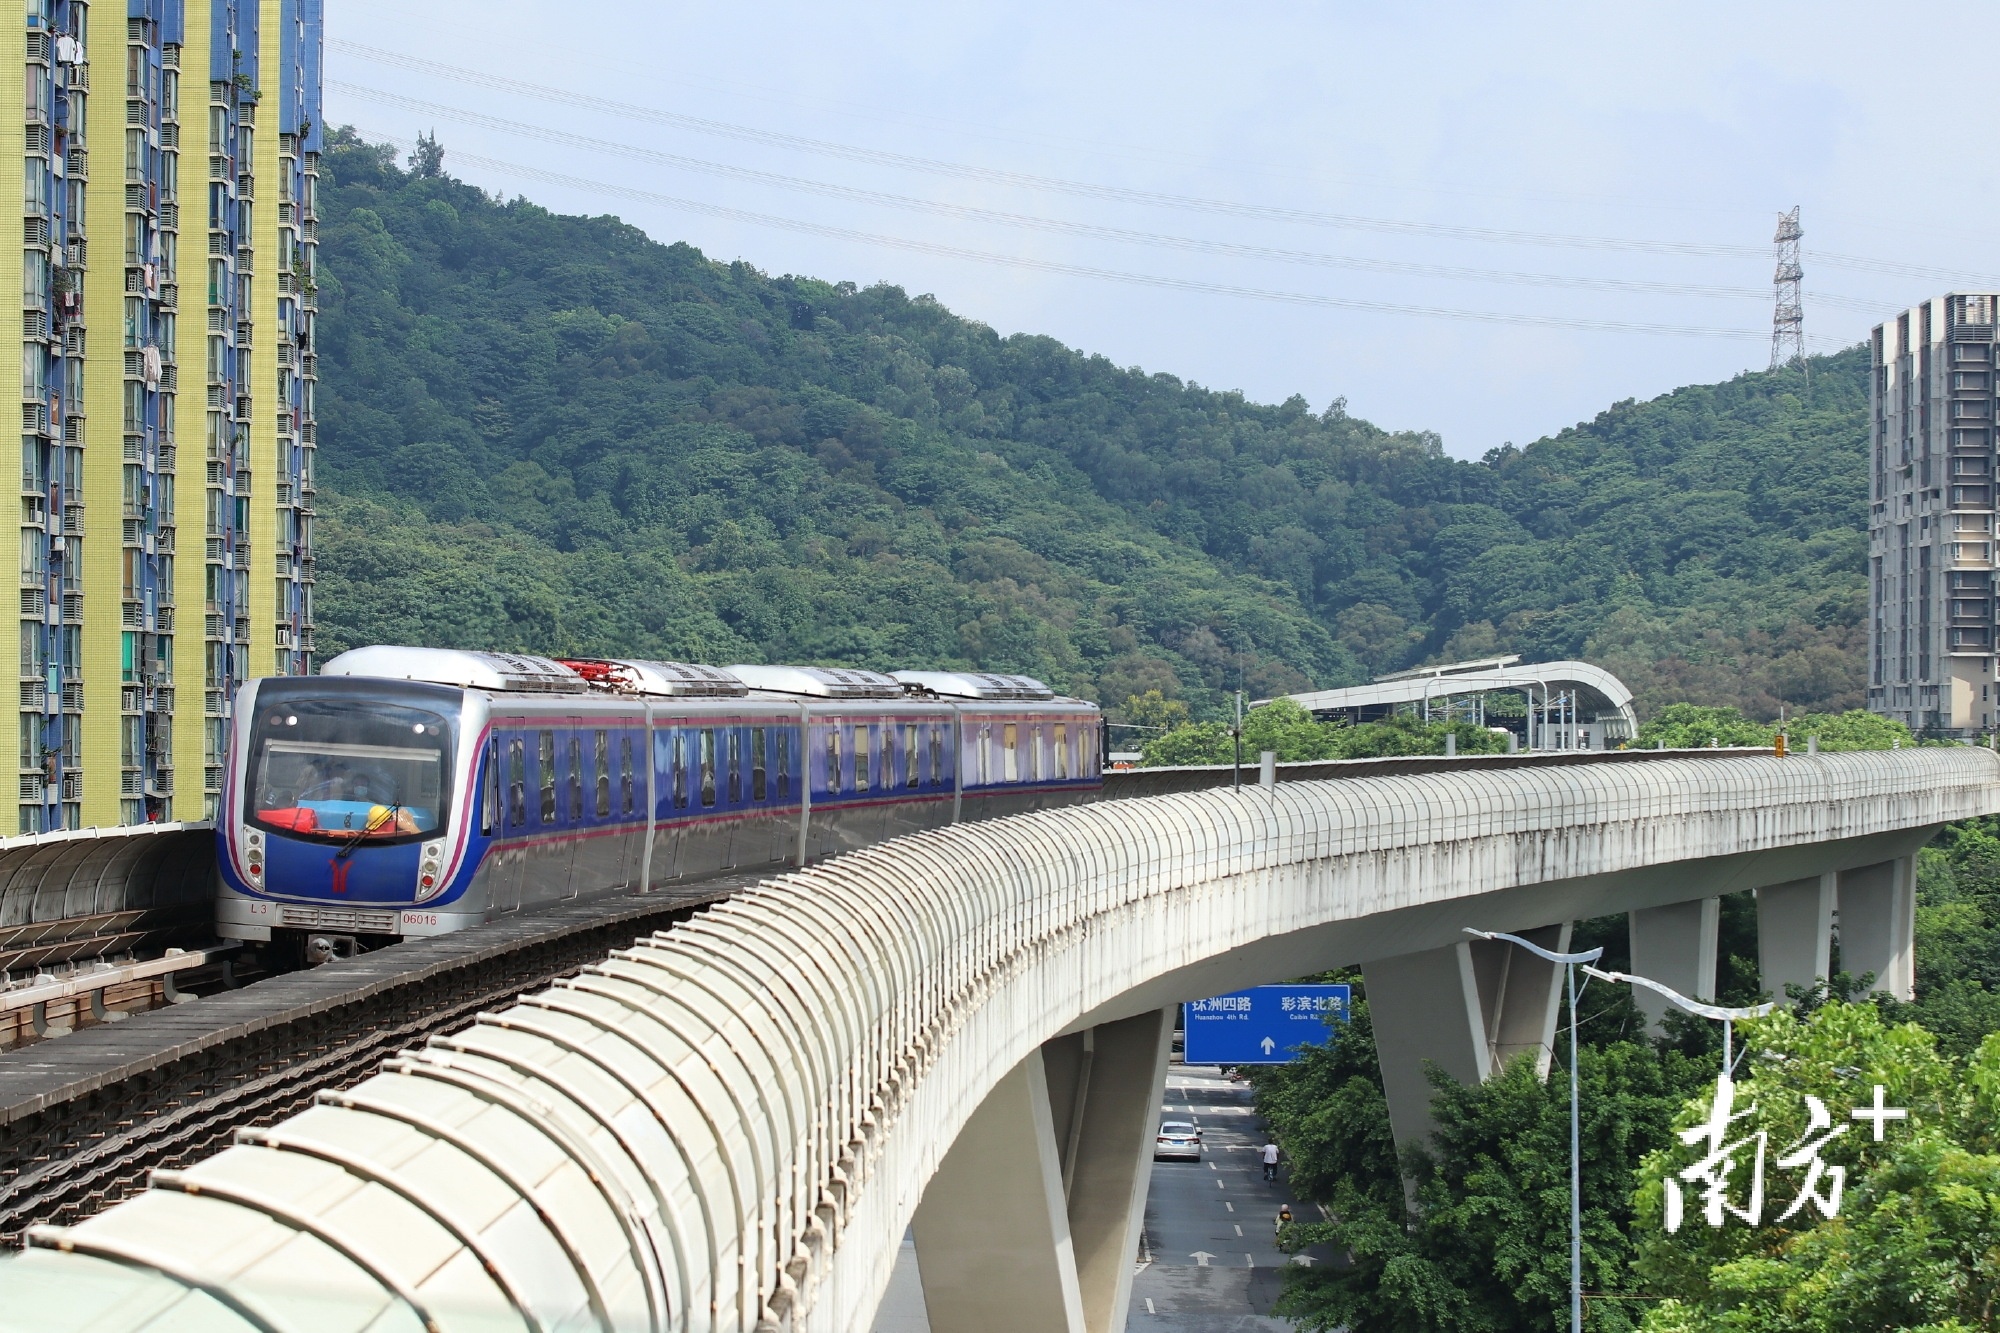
pixel 420 918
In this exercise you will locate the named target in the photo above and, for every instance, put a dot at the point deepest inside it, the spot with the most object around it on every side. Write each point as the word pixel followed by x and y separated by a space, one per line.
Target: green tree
pixel 1916 1244
pixel 1485 1247
pixel 1694 727
pixel 1856 729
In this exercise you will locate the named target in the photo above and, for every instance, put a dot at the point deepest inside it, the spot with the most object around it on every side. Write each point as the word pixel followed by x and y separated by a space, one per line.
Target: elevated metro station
pixel 1563 705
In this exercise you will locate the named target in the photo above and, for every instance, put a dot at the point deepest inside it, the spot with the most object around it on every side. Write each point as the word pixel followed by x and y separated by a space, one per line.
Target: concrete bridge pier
pixel 1878 924
pixel 1674 945
pixel 1032 1220
pixel 1469 1009
pixel 1874 910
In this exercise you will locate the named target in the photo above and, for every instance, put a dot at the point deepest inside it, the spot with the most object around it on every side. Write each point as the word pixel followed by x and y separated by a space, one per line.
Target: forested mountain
pixel 553 433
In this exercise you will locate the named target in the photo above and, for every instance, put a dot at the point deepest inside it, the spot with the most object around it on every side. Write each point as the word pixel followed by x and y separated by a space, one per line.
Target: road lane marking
pixel 1219 1185
pixel 1230 1206
pixel 1239 1228
pixel 1149 1306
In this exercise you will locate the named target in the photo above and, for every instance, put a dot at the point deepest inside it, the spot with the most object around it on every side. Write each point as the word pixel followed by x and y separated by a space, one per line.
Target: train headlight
pixel 253 856
pixel 430 870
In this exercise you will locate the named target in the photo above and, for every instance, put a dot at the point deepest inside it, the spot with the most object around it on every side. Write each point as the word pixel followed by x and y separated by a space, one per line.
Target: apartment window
pixel 135 161
pixel 34 278
pixel 34 372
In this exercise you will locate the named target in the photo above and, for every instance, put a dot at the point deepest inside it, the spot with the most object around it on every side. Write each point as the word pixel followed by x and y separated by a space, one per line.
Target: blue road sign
pixel 1263 1025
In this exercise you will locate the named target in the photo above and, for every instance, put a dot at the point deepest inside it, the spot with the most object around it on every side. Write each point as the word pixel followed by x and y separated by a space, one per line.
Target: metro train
pixel 414 791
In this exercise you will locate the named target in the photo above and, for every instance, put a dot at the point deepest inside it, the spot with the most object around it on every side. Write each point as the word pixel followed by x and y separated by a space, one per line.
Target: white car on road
pixel 1177 1138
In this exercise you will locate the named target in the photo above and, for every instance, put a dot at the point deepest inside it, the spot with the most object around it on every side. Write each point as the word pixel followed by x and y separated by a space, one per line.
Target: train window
pixel 625 772
pixel 735 765
pixel 757 790
pixel 784 763
pixel 679 752
pixel 910 755
pixel 1034 769
pixel 864 762
pixel 985 762
pixel 833 773
pixel 1010 758
pixel 1062 751
pixel 575 780
pixel 937 752
pixel 602 744
pixel 545 752
pixel 707 765
pixel 517 782
pixel 489 790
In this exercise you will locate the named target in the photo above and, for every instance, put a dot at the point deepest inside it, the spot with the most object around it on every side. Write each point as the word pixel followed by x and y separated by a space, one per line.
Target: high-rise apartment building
pixel 170 152
pixel 1930 522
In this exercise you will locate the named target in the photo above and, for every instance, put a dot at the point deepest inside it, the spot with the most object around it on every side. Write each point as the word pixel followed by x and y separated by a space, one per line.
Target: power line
pixel 970 213
pixel 1084 189
pixel 1158 281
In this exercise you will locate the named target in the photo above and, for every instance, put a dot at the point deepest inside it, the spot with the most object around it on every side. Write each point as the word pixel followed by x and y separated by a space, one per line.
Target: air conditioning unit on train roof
pixel 974 685
pixel 819 682
pixel 510 672
pixel 673 680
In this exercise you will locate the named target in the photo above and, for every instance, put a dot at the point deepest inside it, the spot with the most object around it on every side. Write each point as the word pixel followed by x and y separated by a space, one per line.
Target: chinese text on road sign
pixel 1263 1025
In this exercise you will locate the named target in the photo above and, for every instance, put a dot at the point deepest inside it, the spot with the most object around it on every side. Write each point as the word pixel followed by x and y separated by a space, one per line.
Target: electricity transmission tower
pixel 1788 337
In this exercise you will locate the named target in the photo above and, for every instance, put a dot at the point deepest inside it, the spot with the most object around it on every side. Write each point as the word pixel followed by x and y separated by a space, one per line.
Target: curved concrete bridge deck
pixel 730 1125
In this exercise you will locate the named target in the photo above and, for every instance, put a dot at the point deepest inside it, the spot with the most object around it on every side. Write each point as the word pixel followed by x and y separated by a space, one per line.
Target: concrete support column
pixel 992 1232
pixel 1032 1221
pixel 1105 1126
pixel 1795 933
pixel 1468 1009
pixel 1878 917
pixel 1674 946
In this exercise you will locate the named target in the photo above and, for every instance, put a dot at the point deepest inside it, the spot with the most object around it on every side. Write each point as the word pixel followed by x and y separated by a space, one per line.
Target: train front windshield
pixel 341 769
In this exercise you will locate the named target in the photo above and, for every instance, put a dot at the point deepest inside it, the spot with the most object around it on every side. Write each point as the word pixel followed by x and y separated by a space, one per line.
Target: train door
pixel 670 803
pixel 501 873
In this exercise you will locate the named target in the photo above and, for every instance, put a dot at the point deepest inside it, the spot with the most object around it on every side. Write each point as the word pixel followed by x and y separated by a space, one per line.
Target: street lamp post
pixel 1569 962
pixel 1700 1009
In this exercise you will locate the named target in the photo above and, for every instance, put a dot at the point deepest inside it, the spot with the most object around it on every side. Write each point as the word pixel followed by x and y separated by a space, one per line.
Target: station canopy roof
pixel 1598 692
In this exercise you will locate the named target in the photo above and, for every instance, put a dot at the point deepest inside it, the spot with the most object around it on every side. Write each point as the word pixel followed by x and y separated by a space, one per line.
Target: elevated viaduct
pixel 730 1124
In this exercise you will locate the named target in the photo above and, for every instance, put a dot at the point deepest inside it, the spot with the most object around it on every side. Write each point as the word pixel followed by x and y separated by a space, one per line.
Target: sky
pixel 1486 221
